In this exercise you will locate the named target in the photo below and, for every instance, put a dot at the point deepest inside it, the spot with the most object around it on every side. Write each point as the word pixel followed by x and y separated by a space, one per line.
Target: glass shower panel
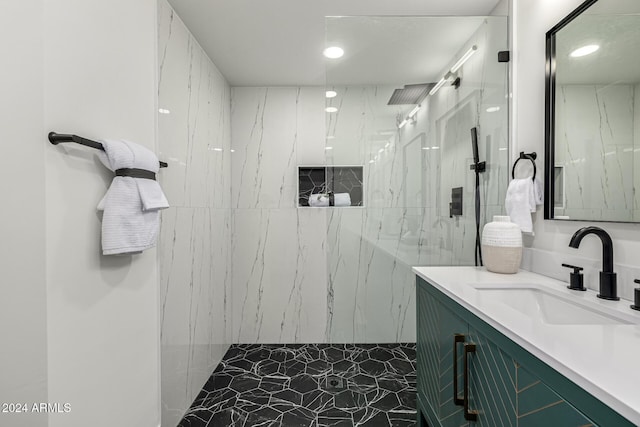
pixel 412 159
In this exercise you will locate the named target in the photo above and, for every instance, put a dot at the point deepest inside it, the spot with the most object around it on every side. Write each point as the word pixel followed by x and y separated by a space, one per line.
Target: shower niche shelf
pixel 330 186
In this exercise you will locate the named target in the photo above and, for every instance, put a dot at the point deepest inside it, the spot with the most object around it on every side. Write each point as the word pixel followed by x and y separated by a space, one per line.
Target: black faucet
pixel 608 283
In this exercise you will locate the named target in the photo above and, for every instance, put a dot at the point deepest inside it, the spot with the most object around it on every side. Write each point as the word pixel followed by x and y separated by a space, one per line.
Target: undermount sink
pixel 551 308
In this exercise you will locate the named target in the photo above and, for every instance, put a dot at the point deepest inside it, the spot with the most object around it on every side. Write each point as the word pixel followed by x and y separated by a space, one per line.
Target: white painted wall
pixel 84 67
pixel 102 312
pixel 532 19
pixel 77 327
pixel 23 310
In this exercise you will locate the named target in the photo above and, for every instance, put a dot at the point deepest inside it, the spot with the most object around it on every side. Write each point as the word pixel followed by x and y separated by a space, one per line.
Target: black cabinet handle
pixel 469 415
pixel 457 338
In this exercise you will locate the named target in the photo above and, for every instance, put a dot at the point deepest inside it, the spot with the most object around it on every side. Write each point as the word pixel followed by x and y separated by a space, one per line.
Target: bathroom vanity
pixel 522 350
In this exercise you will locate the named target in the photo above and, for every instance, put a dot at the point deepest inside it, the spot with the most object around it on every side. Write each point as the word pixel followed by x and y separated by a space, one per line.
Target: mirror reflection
pixel 596 110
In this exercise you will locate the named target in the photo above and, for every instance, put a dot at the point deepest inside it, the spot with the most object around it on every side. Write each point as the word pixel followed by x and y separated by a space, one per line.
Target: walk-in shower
pixel 321 302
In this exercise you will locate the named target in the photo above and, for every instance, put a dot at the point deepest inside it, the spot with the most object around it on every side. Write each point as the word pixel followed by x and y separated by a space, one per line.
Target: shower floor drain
pixel 334 383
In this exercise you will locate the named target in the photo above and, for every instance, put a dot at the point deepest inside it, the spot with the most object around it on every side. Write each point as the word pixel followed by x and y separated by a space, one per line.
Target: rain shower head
pixel 410 94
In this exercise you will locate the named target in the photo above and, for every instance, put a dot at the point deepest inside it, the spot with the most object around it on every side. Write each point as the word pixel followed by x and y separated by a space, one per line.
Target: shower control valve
pixel 479 167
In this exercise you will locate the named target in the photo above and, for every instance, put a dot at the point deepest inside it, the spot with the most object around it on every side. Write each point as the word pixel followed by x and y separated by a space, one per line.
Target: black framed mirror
pixel 592 117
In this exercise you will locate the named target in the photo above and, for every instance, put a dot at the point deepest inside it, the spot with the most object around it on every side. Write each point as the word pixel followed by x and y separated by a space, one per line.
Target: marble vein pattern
pixel 595 132
pixel 278 250
pixel 194 119
pixel 279 280
pixel 371 291
pixel 194 247
pixel 363 290
pixel 274 130
pixel 309 385
pixel 408 179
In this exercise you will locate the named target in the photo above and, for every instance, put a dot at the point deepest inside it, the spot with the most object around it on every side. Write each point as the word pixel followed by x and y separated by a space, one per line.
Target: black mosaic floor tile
pixel 309 385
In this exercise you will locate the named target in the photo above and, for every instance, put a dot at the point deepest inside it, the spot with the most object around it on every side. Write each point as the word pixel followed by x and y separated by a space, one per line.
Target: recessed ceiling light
pixel 435 148
pixel 163 111
pixel 333 52
pixel 493 109
pixel 331 94
pixel 328 148
pixel 584 50
pixel 425 148
pixel 331 109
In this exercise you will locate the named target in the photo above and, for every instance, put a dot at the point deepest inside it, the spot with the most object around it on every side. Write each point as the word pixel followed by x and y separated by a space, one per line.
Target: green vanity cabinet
pixel 436 369
pixel 492 390
pixel 507 385
pixel 442 335
pixel 452 332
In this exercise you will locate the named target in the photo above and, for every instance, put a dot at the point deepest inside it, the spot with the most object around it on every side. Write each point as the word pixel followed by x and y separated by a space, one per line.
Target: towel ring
pixel 529 156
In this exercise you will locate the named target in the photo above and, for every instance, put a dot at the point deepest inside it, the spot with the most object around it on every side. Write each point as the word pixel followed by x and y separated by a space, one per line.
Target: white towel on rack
pixel 131 218
pixel 538 193
pixel 520 202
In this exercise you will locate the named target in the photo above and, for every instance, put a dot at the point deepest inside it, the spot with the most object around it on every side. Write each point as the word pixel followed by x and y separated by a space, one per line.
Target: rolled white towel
pixel 341 199
pixel 319 200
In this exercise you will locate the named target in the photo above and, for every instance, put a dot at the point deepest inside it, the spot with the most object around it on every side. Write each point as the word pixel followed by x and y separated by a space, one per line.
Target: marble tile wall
pixel 195 259
pixel 371 291
pixel 409 176
pixel 278 250
pixel 371 288
pixel 595 147
pixel 343 275
pixel 480 102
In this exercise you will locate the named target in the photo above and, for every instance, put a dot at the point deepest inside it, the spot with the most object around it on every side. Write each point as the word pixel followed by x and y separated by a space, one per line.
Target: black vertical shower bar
pixel 478 167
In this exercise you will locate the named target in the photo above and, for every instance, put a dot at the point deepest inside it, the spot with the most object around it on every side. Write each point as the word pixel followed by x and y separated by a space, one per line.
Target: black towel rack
pixel 57 138
pixel 530 156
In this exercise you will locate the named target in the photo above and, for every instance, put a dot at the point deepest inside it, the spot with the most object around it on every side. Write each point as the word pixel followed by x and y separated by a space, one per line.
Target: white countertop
pixel 602 359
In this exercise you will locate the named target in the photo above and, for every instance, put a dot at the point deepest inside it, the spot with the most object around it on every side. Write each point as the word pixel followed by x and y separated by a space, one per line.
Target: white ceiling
pixel 396 50
pixel 280 42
